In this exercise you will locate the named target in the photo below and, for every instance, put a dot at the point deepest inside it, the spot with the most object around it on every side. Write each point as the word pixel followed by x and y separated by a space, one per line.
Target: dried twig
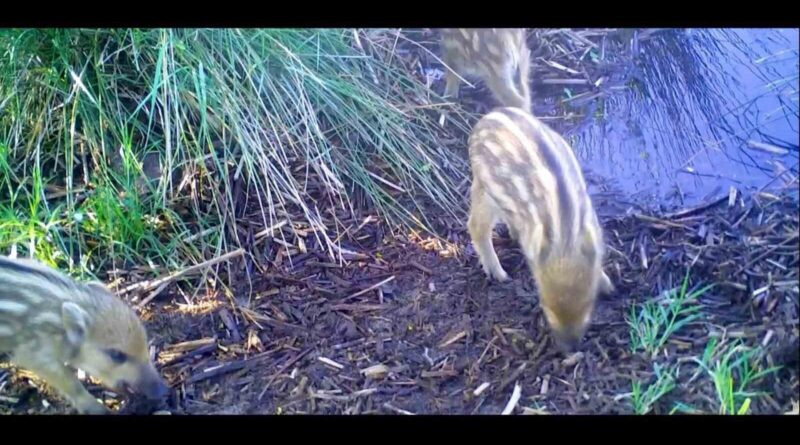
pixel 391 407
pixel 480 389
pixel 161 283
pixel 767 148
pixel 695 209
pixel 512 402
pixel 373 287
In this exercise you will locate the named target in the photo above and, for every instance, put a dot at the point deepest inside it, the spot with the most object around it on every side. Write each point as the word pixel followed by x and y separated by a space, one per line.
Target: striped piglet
pixel 525 175
pixel 498 56
pixel 50 324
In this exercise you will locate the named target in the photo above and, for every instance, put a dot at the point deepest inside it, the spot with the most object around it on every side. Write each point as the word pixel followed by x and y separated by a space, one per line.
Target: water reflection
pixel 703 109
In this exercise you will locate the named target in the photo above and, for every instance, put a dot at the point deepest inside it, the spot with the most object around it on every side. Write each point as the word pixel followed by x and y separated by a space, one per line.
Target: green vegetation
pixel 655 321
pixel 146 146
pixel 643 399
pixel 734 369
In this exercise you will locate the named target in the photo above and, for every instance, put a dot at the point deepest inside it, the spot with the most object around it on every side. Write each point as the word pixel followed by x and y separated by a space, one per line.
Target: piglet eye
pixel 117 356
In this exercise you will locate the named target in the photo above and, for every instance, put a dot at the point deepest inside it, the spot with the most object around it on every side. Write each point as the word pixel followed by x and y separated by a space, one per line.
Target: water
pixel 695 101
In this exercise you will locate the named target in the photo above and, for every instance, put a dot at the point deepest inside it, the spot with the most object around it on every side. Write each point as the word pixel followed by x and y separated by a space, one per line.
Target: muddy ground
pixel 409 324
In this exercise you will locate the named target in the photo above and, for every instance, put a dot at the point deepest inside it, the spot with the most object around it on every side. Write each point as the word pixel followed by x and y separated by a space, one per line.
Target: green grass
pixel 653 322
pixel 734 369
pixel 643 399
pixel 306 122
pixel 682 408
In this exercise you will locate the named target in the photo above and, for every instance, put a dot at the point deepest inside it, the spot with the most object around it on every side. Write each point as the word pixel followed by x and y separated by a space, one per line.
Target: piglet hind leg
pixel 480 224
pixel 452 83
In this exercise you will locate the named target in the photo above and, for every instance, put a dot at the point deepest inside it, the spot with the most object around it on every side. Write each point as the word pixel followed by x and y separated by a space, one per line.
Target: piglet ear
pixel 606 286
pixel 76 322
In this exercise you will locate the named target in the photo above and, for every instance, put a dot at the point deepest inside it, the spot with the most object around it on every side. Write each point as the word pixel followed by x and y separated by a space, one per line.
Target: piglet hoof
pixel 500 275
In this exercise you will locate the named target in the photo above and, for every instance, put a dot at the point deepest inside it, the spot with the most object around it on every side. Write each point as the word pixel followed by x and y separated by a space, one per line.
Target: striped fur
pixel 526 175
pixel 499 57
pixel 48 320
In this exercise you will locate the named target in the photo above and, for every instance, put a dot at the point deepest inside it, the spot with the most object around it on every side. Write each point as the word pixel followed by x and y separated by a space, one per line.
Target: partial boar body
pixel 499 57
pixel 50 324
pixel 525 175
